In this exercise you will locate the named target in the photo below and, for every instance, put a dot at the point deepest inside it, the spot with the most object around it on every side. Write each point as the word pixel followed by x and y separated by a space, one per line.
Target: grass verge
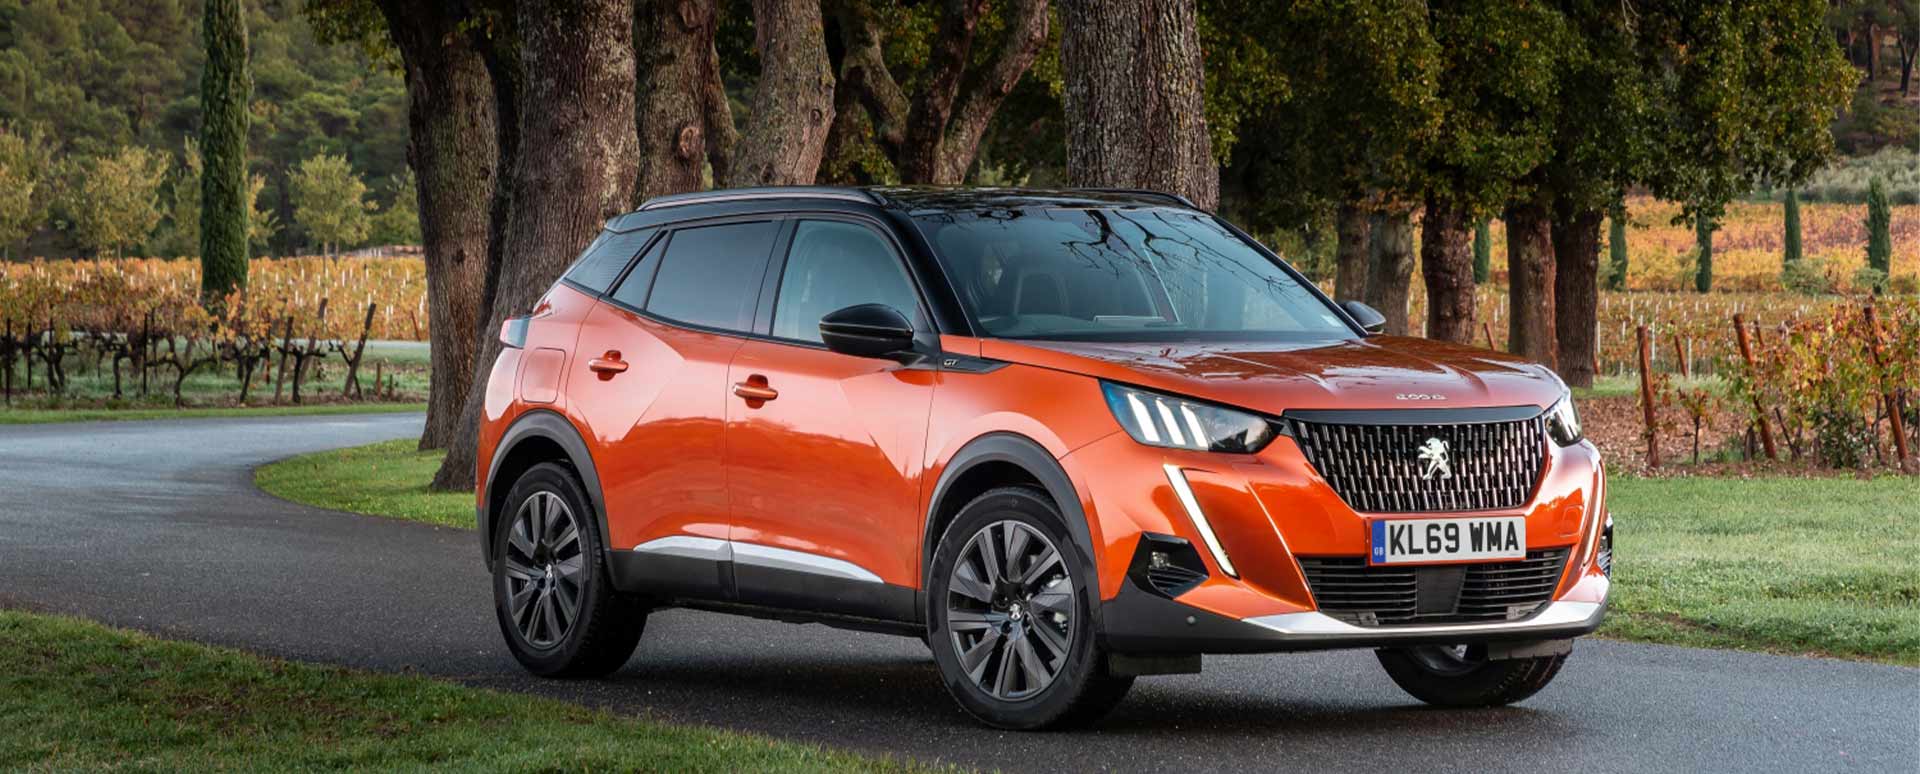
pixel 81 696
pixel 34 416
pixel 1827 566
pixel 1823 566
pixel 384 479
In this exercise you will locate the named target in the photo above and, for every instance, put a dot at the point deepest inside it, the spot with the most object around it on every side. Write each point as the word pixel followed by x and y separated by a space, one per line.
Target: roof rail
pixel 1172 197
pixel 767 192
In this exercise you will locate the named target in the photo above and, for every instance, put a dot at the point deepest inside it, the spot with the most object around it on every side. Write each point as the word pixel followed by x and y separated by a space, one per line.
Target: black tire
pixel 604 626
pixel 1080 689
pixel 1463 677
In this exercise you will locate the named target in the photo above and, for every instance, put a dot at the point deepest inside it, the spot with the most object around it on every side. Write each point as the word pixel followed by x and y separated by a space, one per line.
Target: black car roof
pixel 909 199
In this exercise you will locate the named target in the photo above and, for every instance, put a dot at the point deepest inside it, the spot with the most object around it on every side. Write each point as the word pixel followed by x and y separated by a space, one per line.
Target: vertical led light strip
pixel 1178 479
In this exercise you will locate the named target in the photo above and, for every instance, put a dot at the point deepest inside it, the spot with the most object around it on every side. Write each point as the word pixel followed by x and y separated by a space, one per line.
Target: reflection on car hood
pixel 1378 372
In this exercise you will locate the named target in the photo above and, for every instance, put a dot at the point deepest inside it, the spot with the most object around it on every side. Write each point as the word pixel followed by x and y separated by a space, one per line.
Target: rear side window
pixel 632 291
pixel 711 275
pixel 603 260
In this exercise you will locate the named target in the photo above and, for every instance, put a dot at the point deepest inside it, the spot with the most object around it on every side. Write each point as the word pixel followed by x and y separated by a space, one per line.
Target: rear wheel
pixel 1463 676
pixel 1010 616
pixel 556 606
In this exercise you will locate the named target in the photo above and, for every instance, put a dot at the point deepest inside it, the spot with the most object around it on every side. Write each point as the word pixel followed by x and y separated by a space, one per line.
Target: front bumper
pixel 1270 508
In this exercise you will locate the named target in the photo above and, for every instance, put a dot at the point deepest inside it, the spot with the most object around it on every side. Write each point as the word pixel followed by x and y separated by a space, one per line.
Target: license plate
pixel 1424 541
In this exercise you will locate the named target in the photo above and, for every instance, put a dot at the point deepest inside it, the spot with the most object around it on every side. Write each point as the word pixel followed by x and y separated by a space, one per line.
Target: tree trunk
pixel 1350 252
pixel 1390 272
pixel 684 120
pixel 1530 315
pixel 576 106
pixel 1576 292
pixel 1134 86
pixel 1447 264
pixel 935 137
pixel 793 103
pixel 226 91
pixel 452 147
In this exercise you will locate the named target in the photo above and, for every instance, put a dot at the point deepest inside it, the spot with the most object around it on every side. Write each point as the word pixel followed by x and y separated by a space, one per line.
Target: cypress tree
pixel 1703 236
pixel 1482 253
pixel 1792 237
pixel 1617 251
pixel 225 90
pixel 1879 241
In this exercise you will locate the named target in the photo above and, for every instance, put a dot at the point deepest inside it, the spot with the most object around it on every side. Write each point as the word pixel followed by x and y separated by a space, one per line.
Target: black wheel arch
pixel 540 435
pixel 995 460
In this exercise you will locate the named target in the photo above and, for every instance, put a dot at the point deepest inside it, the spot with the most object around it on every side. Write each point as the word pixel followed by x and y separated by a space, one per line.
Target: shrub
pixel 1812 277
pixel 1879 238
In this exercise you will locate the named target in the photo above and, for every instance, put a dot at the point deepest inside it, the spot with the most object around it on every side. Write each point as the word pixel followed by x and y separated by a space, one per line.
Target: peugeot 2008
pixel 1068 438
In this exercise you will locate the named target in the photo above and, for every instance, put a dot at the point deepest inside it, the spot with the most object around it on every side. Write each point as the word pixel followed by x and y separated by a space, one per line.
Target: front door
pixel 824 451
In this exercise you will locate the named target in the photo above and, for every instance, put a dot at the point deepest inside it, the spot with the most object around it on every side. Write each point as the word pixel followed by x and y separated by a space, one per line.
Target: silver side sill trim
pixel 716 550
pixel 1557 618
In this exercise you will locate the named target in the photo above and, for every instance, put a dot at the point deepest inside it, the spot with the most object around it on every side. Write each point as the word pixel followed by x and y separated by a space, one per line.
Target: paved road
pixel 154 525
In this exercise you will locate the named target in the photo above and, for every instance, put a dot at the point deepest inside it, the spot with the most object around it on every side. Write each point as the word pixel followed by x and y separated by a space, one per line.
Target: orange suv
pixel 1068 438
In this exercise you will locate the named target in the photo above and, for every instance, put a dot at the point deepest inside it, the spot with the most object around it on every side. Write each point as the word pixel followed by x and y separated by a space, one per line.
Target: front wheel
pixel 1010 616
pixel 1463 676
pixel 556 605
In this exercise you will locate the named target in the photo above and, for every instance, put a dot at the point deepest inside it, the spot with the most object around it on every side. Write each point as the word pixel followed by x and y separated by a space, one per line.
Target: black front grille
pixel 1350 590
pixel 1380 469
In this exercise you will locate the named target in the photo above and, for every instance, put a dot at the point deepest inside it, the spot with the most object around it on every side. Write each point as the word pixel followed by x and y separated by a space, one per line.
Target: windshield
pixel 1121 275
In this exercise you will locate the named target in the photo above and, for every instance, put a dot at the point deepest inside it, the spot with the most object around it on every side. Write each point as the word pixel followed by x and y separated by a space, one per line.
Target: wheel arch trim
pixel 1028 455
pixel 548 425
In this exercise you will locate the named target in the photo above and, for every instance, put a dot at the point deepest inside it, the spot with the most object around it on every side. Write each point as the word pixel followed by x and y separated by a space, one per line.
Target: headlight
pixel 1163 420
pixel 1562 424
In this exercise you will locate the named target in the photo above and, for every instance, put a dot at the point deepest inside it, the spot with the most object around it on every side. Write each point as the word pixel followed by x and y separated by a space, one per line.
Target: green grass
pixel 30 416
pixel 1826 566
pixel 1618 385
pixel 383 479
pixel 80 696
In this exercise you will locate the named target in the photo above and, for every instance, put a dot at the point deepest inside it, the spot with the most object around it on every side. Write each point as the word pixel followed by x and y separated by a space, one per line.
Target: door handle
pixel 755 388
pixel 608 364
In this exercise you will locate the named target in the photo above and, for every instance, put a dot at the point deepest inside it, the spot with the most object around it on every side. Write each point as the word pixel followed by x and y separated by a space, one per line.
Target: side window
pixel 600 265
pixel 633 290
pixel 834 265
pixel 711 275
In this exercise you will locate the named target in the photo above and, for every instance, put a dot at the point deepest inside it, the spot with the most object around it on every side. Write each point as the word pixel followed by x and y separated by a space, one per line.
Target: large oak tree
pixel 1134 96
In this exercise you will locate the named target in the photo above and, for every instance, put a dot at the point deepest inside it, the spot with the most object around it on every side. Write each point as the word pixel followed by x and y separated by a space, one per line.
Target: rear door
pixel 824 450
pixel 650 382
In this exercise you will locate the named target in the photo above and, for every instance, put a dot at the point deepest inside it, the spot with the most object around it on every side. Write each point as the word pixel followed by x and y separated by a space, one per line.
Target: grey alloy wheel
pixel 544 566
pixel 1010 610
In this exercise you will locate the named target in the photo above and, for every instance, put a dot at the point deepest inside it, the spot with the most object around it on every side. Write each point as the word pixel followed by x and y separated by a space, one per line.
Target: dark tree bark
pixel 452 145
pixel 1350 252
pixel 684 120
pixel 1390 270
pixel 576 105
pixel 1447 266
pixel 934 136
pixel 226 90
pixel 1576 291
pixel 1134 86
pixel 793 103
pixel 1530 315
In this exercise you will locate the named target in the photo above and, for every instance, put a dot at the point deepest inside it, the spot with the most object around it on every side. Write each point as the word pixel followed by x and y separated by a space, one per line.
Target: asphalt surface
pixel 156 526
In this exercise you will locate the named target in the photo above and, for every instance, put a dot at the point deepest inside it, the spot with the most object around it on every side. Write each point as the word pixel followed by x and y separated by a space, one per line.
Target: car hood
pixel 1378 372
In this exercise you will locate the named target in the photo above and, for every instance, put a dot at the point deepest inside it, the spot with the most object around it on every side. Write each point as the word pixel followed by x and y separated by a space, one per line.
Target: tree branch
pixel 988 85
pixel 864 69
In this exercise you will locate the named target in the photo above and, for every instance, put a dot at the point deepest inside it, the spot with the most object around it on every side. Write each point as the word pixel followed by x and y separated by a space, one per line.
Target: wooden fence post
pixel 353 363
pixel 1886 396
pixel 1488 331
pixel 286 343
pixel 1680 356
pixel 1646 399
pixel 1753 374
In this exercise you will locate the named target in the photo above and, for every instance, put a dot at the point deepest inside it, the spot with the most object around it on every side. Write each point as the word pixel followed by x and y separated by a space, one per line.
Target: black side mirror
pixel 1370 319
pixel 867 330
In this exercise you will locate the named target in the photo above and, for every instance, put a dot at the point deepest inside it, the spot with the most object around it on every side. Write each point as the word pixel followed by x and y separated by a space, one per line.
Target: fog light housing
pixel 1166 565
